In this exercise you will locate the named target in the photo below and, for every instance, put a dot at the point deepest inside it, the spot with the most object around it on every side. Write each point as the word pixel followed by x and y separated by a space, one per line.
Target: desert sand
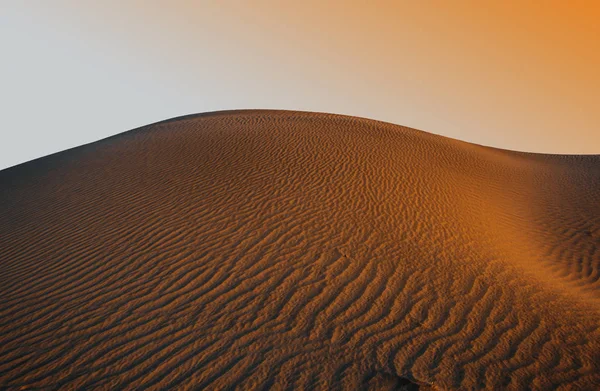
pixel 290 250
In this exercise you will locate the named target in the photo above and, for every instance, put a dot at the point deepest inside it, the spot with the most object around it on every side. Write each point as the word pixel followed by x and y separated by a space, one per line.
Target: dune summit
pixel 274 249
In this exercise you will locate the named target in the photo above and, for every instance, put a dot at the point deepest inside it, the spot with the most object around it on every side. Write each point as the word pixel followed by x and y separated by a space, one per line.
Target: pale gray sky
pixel 73 72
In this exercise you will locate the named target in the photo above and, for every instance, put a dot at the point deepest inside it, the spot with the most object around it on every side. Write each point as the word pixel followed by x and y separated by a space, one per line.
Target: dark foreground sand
pixel 268 249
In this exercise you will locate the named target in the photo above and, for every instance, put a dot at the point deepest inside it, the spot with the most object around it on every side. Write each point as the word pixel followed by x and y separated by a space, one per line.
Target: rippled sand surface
pixel 288 250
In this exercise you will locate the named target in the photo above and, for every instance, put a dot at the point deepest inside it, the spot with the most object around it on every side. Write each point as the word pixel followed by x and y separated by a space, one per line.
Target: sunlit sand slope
pixel 268 249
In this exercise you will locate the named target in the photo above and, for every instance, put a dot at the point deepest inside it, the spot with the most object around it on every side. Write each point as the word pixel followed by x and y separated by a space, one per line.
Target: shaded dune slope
pixel 283 249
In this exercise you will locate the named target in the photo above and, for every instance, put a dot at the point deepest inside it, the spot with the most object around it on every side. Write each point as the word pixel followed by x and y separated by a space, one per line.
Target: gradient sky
pixel 520 75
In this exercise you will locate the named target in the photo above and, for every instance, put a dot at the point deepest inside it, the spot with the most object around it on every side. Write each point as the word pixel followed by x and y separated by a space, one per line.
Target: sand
pixel 274 249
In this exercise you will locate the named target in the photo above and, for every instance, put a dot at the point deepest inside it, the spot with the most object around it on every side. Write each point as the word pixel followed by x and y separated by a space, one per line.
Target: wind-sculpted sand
pixel 271 249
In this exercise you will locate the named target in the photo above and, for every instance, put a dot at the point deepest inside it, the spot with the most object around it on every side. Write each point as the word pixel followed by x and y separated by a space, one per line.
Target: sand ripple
pixel 272 249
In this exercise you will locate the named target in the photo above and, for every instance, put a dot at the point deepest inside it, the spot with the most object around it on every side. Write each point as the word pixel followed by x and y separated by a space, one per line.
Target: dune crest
pixel 273 249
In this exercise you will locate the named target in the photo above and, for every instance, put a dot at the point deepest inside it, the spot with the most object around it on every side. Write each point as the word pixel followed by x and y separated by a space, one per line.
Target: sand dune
pixel 271 249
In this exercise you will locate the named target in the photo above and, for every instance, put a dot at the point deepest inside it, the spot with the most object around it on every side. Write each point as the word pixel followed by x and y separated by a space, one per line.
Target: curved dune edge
pixel 271 249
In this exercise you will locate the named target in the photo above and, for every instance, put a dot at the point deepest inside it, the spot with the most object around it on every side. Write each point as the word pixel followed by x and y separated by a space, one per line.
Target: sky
pixel 520 75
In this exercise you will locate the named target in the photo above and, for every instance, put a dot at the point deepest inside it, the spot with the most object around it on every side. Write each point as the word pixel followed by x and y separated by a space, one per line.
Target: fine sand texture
pixel 288 250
